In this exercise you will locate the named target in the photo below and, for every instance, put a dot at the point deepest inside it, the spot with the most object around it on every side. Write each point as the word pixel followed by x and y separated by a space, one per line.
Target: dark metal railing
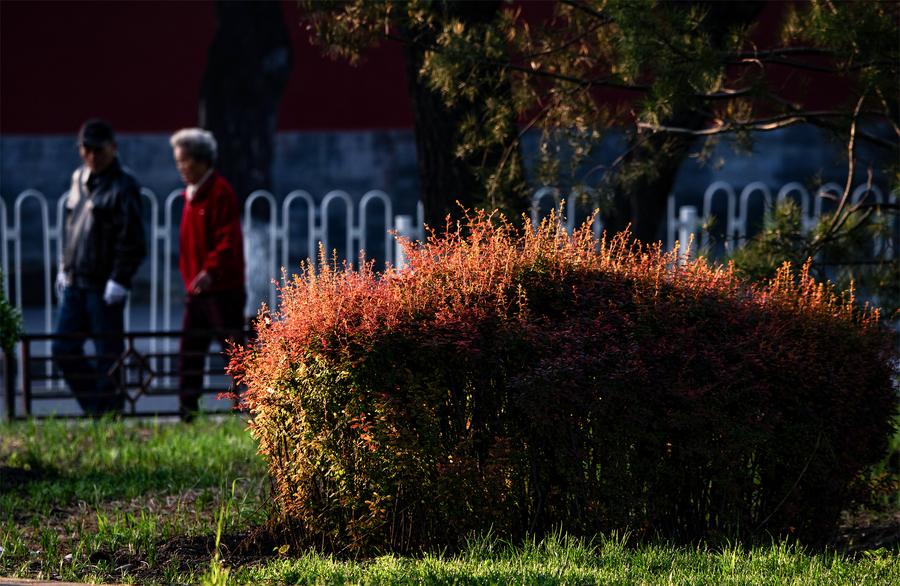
pixel 136 373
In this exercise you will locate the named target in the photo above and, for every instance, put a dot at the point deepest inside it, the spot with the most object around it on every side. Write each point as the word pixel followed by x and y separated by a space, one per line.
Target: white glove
pixel 60 284
pixel 114 293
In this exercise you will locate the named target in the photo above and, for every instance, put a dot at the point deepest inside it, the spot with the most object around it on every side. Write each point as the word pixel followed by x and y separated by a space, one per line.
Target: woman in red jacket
pixel 212 260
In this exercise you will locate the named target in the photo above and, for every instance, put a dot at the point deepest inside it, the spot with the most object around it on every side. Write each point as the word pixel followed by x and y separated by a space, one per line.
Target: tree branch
pixel 809 66
pixel 595 82
pixel 769 53
pixel 559 48
pixel 838 219
pixel 799 115
pixel 889 206
pixel 724 94
pixel 508 150
pixel 726 127
pixel 765 126
pixel 596 14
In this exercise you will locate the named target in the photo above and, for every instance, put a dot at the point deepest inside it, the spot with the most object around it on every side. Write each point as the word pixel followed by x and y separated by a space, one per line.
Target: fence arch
pixel 367 199
pixel 731 206
pixel 741 220
pixel 277 230
pixel 312 235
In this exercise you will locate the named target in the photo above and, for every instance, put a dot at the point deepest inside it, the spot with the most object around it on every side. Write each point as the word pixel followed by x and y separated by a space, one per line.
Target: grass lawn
pixel 137 502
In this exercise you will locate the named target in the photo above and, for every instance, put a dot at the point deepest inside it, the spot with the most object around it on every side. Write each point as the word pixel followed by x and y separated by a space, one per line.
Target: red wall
pixel 139 64
pixel 331 95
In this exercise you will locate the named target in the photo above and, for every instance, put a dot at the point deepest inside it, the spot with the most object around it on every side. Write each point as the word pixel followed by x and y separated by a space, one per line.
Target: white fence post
pixel 250 260
pixel 312 236
pixel 403 225
pixel 688 222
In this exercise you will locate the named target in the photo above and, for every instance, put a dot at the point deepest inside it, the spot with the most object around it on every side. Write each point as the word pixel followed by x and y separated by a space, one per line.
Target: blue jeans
pixel 83 311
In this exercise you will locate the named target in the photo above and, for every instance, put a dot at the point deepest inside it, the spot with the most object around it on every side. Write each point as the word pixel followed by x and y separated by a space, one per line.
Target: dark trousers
pixel 221 313
pixel 93 382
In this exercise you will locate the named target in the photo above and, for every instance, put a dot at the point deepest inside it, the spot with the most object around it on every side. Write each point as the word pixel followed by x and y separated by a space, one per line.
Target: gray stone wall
pixel 315 161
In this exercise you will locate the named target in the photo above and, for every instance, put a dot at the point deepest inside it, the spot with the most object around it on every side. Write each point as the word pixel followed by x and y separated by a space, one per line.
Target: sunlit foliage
pixel 525 383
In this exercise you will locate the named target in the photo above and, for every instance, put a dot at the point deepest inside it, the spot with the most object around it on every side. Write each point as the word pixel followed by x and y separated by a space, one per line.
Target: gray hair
pixel 200 144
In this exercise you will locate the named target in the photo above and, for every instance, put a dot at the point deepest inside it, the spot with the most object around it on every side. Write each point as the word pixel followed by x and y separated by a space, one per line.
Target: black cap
pixel 95 133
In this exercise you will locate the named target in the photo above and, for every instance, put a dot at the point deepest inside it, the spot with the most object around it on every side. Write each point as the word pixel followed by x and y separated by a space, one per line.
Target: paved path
pixel 147 405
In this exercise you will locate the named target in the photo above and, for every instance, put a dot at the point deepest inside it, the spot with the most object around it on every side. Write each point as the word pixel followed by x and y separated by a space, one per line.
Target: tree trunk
pixel 247 70
pixel 445 182
pixel 642 201
pixel 448 185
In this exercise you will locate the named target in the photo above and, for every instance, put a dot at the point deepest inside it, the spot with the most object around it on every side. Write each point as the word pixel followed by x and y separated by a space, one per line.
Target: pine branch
pixel 721 128
pixel 725 94
pixel 809 66
pixel 596 14
pixel 596 82
pixel 817 120
pixel 559 48
pixel 580 81
pixel 803 51
pixel 768 125
pixel 888 206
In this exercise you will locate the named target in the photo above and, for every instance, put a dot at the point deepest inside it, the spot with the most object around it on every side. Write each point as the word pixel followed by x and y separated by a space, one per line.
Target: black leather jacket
pixel 104 232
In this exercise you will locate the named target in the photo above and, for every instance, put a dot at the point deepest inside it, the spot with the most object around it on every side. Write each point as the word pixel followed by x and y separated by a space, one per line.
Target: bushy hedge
pixel 529 383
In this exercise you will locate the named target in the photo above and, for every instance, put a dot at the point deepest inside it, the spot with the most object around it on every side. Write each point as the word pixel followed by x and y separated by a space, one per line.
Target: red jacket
pixel 211 237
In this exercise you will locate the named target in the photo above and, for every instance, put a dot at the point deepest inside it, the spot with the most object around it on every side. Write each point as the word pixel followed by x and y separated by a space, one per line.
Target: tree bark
pixel 643 203
pixel 248 67
pixel 447 184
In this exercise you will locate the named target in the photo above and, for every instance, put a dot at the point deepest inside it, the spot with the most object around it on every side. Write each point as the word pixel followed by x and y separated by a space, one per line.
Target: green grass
pixel 120 486
pixel 558 560
pixel 95 462
pixel 129 486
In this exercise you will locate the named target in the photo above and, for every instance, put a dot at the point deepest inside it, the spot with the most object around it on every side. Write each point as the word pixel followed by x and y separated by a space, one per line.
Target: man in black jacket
pixel 104 248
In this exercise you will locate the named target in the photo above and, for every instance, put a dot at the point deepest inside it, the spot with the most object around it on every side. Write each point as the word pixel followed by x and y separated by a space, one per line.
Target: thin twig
pixel 588 10
pixel 508 150
pixel 808 462
pixel 839 218
pixel 560 47
pixel 809 66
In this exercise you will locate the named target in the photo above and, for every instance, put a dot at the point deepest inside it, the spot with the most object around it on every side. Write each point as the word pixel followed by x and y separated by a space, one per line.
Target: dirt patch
pixel 185 554
pixel 868 531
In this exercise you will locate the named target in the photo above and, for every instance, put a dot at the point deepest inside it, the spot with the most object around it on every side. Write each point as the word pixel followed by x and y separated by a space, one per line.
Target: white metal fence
pixel 737 207
pixel 280 233
pixel 163 234
pixel 687 220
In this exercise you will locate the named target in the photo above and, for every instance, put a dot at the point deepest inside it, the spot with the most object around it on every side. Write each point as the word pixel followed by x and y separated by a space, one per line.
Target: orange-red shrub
pixel 524 383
